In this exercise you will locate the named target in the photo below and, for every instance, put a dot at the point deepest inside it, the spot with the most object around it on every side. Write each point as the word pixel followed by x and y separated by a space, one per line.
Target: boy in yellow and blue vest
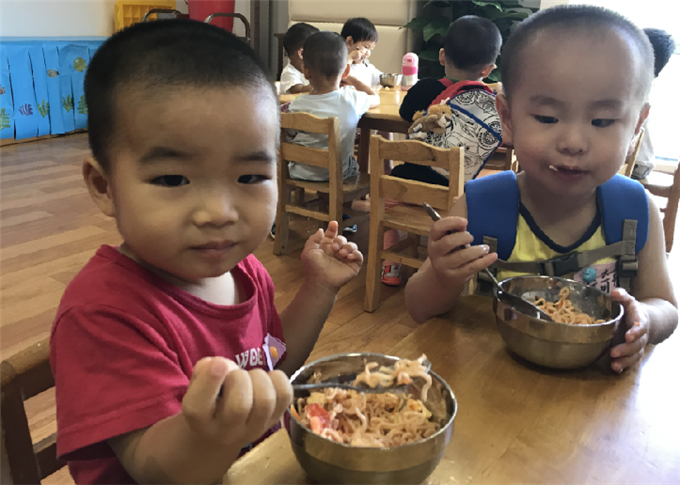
pixel 576 81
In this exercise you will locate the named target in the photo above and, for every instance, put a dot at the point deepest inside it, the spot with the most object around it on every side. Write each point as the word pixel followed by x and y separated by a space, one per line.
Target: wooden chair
pixel 338 190
pixel 23 376
pixel 670 192
pixel 629 164
pixel 408 216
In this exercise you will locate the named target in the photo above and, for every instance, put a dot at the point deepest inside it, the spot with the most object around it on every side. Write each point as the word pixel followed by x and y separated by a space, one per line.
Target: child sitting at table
pixel 471 47
pixel 164 348
pixel 326 65
pixel 292 80
pixel 663 46
pixel 576 81
pixel 361 37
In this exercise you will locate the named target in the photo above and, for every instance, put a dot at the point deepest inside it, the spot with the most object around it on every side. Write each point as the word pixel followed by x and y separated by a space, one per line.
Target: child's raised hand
pixel 329 259
pixel 449 257
pixel 250 403
pixel 636 337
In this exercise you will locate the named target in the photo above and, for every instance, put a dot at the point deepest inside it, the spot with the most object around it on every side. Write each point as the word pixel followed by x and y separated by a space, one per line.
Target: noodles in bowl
pixel 328 461
pixel 371 420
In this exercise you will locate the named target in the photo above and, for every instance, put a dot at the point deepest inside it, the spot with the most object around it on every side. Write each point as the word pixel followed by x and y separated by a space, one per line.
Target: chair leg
pixel 373 266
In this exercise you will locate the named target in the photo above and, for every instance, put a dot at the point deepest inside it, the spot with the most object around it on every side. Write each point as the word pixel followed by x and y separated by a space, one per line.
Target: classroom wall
pixel 68 18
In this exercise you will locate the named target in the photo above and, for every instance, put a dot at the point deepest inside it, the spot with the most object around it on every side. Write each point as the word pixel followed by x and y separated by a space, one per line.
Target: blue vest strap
pixel 493 208
pixel 623 198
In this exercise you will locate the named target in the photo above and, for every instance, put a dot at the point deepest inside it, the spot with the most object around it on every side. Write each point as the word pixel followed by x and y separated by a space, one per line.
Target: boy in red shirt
pixel 164 349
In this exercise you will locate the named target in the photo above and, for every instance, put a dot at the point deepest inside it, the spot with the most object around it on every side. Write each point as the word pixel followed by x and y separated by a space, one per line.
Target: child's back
pixel 471 47
pixel 325 64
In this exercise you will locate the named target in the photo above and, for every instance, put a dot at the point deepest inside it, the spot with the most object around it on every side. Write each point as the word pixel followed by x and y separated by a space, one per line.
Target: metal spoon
pixel 519 304
pixel 361 387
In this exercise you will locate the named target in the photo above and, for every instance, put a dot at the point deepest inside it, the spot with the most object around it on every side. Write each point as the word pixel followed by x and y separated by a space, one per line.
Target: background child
pixel 361 37
pixel 292 79
pixel 164 348
pixel 325 56
pixel 663 46
pixel 571 132
pixel 471 47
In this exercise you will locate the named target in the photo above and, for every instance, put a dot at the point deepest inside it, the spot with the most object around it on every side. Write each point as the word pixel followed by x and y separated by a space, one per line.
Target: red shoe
pixel 391 274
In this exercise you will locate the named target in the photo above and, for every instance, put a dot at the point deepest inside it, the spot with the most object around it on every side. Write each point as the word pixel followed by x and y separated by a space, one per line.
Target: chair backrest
pixel 629 164
pixel 23 376
pixel 411 191
pixel 329 158
pixel 670 212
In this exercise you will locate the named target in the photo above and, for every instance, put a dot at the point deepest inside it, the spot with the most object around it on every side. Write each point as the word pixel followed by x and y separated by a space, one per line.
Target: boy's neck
pixel 543 204
pixel 296 62
pixel 323 85
pixel 461 75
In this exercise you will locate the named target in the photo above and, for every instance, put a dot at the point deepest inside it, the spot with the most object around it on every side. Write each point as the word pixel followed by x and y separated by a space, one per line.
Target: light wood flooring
pixel 50 228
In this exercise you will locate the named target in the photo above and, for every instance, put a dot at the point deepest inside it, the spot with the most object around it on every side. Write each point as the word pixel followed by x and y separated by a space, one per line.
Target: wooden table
pixel 383 118
pixel 518 423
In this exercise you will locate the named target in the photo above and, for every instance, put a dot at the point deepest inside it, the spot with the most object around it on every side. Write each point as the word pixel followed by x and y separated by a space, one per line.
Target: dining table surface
pixel 522 424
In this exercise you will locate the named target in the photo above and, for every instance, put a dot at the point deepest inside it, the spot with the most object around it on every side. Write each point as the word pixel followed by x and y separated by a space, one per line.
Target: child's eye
pixel 170 180
pixel 252 179
pixel 548 120
pixel 602 122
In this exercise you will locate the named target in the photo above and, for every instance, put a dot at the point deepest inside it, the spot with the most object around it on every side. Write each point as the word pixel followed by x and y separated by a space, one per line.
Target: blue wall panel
pixel 40 84
pixel 6 103
pixel 25 110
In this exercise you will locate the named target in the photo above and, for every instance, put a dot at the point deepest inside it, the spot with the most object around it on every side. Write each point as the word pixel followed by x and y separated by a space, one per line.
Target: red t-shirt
pixel 123 348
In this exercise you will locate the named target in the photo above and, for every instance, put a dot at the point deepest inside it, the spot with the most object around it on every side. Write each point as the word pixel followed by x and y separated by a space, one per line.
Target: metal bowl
pixel 557 345
pixel 390 80
pixel 326 461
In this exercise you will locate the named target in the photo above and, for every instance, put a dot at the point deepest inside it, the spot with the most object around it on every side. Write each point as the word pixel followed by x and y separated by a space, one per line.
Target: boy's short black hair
pixel 663 46
pixel 580 20
pixel 325 53
pixel 296 36
pixel 156 55
pixel 472 42
pixel 359 29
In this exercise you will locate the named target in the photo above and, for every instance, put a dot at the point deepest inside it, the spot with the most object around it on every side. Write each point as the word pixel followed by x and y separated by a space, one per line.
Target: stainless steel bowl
pixel 390 80
pixel 557 345
pixel 326 461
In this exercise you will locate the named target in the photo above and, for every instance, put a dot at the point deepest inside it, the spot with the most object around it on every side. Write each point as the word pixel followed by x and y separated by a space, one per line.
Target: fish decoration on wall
pixel 79 64
pixel 2 90
pixel 52 73
pixel 26 109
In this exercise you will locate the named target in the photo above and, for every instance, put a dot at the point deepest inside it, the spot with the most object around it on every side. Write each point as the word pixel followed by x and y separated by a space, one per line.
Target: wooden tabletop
pixel 518 423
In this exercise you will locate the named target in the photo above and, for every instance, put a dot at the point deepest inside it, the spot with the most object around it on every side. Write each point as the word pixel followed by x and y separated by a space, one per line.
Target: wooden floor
pixel 50 228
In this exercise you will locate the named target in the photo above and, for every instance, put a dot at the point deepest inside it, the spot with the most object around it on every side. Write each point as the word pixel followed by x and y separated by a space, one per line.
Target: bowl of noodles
pixel 586 320
pixel 345 436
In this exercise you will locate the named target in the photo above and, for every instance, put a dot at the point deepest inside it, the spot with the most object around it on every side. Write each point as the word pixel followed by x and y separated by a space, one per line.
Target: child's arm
pixel 374 98
pixel 651 313
pixel 438 284
pixel 300 88
pixel 224 409
pixel 330 262
pixel 419 97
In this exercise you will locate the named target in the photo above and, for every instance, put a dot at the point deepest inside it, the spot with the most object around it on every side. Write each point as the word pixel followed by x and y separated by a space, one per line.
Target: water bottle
pixel 409 70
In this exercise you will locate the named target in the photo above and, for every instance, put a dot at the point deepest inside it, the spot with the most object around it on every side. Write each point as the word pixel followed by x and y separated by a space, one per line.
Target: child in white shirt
pixel 325 66
pixel 361 37
pixel 292 80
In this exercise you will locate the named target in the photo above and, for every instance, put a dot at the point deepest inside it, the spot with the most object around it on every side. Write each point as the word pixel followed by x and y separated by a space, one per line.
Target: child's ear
pixel 349 41
pixel 98 185
pixel 503 108
pixel 442 57
pixel 299 52
pixel 644 112
pixel 487 70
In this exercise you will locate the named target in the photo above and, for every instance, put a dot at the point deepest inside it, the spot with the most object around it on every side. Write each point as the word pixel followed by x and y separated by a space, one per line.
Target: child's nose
pixel 573 140
pixel 216 209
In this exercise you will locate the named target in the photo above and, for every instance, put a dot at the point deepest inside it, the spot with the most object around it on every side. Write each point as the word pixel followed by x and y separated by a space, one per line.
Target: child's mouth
pixel 566 172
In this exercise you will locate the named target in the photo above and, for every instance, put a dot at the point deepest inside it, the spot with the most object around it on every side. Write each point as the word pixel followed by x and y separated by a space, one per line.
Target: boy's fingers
pixel 618 365
pixel 449 243
pixel 237 399
pixel 462 257
pixel 284 393
pixel 448 224
pixel 207 380
pixel 332 230
pixel 264 401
